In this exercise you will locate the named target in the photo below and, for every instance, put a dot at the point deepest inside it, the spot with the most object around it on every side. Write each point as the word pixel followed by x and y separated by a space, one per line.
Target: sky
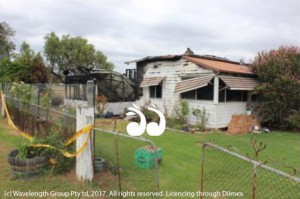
pixel 126 30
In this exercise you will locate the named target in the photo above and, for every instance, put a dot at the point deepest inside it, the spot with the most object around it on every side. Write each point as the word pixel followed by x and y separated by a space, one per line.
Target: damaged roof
pixel 215 63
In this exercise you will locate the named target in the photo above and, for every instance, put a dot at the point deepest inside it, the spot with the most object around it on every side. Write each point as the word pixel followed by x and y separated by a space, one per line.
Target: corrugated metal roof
pixel 220 66
pixel 239 83
pixel 191 84
pixel 151 81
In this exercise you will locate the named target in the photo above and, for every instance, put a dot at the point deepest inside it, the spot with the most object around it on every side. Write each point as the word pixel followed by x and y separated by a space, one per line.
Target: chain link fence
pixel 130 164
pixel 39 109
pixel 240 176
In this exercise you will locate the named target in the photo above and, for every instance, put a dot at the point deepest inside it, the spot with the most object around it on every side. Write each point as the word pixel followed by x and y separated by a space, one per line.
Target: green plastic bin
pixel 145 157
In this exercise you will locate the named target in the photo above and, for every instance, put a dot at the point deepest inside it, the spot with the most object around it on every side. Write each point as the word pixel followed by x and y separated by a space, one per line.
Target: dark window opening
pixel 227 95
pixel 204 93
pixel 156 91
pixel 189 95
pixel 236 96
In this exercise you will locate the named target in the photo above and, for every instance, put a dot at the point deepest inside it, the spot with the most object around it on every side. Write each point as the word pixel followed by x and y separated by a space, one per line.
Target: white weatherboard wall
pixel 84 161
pixel 210 108
pixel 172 71
pixel 225 110
pixel 219 113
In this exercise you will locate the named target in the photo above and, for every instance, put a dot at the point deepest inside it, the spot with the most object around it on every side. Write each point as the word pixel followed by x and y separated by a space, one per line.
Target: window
pixel 189 94
pixel 226 95
pixel 156 91
pixel 204 93
pixel 236 96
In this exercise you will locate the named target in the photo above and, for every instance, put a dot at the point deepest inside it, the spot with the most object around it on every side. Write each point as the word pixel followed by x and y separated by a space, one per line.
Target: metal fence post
pixel 202 171
pixel 118 164
pixel 254 181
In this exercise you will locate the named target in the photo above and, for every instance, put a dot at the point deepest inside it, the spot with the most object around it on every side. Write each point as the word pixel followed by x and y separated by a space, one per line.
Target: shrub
pixel 279 85
pixel 293 120
pixel 57 100
pixel 101 104
pixel 63 164
pixel 202 118
pixel 24 92
pixel 181 110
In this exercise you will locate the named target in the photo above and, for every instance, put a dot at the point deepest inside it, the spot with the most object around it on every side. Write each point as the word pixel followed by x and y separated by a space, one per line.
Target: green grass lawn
pixel 58 183
pixel 180 168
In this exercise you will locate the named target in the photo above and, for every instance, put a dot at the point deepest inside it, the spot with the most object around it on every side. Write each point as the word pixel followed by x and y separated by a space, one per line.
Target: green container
pixel 145 157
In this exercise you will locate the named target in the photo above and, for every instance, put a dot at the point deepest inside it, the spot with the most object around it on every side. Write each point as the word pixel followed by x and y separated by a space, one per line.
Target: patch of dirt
pixel 4 149
pixel 108 124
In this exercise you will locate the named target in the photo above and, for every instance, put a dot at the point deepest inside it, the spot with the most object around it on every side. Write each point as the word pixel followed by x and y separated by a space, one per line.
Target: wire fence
pixel 240 176
pixel 130 164
pixel 39 109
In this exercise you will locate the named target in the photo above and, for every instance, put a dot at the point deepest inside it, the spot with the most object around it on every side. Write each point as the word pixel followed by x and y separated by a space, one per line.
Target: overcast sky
pixel 131 29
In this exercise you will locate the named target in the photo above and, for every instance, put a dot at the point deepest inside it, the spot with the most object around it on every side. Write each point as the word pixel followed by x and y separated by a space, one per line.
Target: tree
pixel 6 45
pixel 27 67
pixel 72 52
pixel 279 88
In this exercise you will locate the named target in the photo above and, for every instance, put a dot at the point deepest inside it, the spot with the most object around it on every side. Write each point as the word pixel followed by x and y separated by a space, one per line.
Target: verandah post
pixel 216 90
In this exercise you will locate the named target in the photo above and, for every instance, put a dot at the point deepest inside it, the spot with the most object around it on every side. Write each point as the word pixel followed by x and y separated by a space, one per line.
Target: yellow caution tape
pixel 87 129
pixel 11 123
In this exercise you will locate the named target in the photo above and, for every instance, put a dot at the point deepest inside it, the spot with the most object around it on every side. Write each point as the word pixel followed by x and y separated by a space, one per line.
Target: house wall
pixel 210 108
pixel 219 114
pixel 226 110
pixel 172 71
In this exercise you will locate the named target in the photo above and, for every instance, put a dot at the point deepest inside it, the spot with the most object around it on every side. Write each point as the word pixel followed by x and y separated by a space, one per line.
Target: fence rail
pixel 252 178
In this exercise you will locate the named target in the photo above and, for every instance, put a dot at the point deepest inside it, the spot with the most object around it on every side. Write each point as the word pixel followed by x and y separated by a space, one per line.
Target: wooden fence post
pixel 85 116
pixel 2 105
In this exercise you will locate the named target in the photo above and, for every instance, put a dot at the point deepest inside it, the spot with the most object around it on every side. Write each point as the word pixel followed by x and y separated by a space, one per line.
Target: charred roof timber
pixel 115 86
pixel 187 53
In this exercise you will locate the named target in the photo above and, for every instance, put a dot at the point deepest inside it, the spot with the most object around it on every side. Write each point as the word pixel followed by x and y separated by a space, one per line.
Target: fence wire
pixel 240 176
pixel 39 109
pixel 130 164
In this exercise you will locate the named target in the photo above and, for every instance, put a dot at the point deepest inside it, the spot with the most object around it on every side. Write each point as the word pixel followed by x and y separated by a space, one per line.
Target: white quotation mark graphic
pixel 153 129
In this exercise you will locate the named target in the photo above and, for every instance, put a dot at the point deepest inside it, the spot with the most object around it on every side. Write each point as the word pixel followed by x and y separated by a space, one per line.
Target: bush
pixel 202 118
pixel 279 85
pixel 293 120
pixel 57 100
pixel 24 92
pixel 182 110
pixel 63 164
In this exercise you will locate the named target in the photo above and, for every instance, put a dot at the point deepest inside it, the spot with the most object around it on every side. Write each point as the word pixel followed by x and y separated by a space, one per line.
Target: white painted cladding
pixel 219 114
pixel 172 71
